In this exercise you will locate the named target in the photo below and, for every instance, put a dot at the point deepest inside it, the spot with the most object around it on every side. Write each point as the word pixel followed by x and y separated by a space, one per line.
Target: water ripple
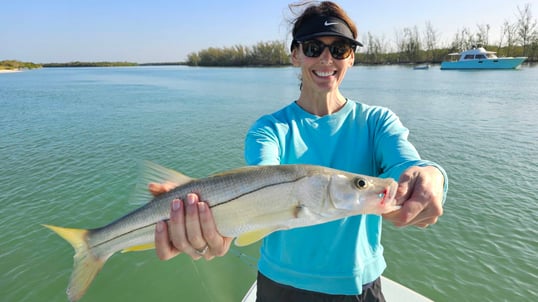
pixel 72 140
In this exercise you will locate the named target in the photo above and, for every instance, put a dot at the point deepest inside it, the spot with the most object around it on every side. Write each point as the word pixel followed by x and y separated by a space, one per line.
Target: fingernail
pixel 159 227
pixel 201 207
pixel 176 204
pixel 190 199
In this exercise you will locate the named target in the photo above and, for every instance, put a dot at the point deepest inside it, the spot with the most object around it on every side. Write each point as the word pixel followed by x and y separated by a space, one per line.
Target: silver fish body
pixel 248 203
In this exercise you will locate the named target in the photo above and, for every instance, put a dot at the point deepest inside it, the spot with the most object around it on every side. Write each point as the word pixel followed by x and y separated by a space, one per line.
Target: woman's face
pixel 323 73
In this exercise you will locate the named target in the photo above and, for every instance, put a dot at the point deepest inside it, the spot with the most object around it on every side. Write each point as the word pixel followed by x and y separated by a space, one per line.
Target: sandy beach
pixel 9 70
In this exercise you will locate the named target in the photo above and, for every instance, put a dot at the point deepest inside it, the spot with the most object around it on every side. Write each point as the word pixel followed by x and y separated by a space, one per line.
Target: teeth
pixel 324 74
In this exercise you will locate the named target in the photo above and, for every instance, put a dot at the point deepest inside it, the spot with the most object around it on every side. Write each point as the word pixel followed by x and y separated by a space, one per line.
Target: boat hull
pixel 498 63
pixel 422 67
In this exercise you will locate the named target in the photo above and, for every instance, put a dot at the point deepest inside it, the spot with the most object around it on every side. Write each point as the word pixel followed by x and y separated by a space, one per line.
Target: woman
pixel 336 261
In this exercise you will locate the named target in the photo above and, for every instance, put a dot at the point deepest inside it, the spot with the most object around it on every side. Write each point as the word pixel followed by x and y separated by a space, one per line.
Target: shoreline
pixel 9 70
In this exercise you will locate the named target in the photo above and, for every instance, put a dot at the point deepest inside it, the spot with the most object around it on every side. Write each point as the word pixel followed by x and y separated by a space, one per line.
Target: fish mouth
pixel 388 194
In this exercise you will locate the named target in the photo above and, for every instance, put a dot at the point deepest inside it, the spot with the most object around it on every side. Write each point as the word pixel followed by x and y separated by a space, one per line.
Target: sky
pixel 139 31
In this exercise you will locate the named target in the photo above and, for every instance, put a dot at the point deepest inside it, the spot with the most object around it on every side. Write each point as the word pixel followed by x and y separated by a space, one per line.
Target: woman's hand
pixel 420 192
pixel 190 230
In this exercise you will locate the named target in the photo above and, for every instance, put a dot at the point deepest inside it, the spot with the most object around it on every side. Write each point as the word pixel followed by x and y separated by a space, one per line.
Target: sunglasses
pixel 339 50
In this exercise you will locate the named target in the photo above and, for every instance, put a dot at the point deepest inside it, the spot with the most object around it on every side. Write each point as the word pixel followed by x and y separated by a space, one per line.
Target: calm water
pixel 71 141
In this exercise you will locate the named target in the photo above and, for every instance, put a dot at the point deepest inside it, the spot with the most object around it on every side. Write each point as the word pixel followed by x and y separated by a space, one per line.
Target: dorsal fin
pixel 153 173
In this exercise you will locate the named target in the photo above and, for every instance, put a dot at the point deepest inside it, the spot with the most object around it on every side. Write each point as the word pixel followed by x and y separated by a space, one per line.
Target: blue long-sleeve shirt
pixel 336 257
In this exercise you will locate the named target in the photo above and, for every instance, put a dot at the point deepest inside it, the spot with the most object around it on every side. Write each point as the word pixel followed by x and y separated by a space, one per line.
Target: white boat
pixel 393 292
pixel 480 58
pixel 421 67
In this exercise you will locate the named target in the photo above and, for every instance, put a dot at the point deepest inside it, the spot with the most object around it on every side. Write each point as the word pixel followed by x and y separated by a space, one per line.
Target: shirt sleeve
pixel 393 151
pixel 261 144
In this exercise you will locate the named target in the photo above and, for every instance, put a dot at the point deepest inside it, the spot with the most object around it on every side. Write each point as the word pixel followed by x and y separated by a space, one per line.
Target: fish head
pixel 360 194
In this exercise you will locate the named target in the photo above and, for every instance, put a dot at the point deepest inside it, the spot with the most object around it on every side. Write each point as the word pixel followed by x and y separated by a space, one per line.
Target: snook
pixel 248 203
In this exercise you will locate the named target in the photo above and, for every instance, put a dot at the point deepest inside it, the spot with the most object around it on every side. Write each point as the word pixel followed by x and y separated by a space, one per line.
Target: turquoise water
pixel 72 140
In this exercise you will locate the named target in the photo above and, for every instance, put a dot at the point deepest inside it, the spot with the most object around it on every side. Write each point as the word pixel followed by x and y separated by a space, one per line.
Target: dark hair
pixel 325 9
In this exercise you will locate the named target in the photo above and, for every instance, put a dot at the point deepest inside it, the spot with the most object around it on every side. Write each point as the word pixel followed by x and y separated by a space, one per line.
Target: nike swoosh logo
pixel 329 24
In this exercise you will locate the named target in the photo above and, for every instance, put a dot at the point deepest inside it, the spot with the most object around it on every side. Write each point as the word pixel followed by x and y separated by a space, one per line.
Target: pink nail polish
pixel 176 204
pixel 190 199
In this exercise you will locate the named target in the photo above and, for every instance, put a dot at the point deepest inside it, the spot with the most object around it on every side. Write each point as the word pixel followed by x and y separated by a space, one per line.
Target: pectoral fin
pixel 274 220
pixel 251 237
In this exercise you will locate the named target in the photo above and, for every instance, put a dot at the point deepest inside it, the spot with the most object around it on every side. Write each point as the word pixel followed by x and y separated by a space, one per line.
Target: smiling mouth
pixel 325 74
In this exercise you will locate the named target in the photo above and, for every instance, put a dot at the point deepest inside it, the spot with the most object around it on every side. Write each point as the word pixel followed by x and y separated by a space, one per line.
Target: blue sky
pixel 44 31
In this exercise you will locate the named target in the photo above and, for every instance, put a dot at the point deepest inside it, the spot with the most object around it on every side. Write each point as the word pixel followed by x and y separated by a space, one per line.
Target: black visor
pixel 319 26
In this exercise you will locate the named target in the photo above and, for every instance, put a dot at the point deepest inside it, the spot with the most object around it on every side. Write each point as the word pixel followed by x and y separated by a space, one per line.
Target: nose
pixel 326 57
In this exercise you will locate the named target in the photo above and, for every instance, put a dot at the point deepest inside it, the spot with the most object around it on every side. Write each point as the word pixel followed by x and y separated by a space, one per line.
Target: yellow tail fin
pixel 86 265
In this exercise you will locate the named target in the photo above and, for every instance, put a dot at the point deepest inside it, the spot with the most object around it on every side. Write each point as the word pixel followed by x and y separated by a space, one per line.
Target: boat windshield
pixel 481 56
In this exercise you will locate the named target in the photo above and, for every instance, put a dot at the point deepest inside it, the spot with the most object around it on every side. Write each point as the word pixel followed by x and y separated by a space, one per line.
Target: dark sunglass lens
pixel 312 49
pixel 340 50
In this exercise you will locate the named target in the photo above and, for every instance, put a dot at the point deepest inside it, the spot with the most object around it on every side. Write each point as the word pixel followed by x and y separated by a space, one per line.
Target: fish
pixel 247 203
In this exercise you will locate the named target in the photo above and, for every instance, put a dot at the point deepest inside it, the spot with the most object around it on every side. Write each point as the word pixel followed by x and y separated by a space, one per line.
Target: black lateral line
pixel 212 206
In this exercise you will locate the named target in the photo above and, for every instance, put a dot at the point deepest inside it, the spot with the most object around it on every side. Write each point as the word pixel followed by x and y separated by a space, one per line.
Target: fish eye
pixel 361 183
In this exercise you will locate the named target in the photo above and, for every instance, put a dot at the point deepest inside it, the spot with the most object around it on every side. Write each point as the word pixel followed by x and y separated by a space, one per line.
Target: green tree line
pixel 14 64
pixel 90 64
pixel 237 56
pixel 273 53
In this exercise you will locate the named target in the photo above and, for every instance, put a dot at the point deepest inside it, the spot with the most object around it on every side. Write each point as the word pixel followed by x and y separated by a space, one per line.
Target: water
pixel 71 141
